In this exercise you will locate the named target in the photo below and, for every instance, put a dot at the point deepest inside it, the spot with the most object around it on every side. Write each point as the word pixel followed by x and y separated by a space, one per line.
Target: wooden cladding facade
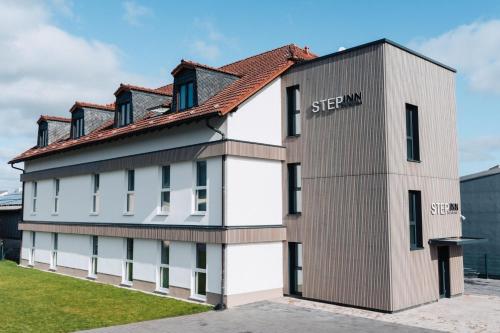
pixel 356 178
pixel 187 153
pixel 211 235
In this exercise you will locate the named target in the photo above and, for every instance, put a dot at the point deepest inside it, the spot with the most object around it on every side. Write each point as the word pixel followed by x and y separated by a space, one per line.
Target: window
pixel 415 214
pixel 412 137
pixel 201 187
pixel 124 115
pixel 200 272
pixel 185 96
pixel 128 271
pixel 35 195
pixel 95 193
pixel 296 276
pixel 294 189
pixel 163 274
pixel 32 249
pixel 53 255
pixel 165 189
pixel 293 110
pixel 77 127
pixel 93 257
pixel 43 134
pixel 130 191
pixel 56 195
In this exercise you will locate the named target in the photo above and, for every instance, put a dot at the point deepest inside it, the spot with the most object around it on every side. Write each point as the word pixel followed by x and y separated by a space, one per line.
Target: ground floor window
pixel 163 269
pixel 200 271
pixel 128 269
pixel 31 258
pixel 93 257
pixel 295 262
pixel 53 253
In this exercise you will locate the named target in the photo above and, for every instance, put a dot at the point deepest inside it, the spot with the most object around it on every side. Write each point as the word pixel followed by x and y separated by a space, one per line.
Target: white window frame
pixel 31 258
pixel 56 202
pixel 130 195
pixel 127 264
pixel 160 267
pixel 94 209
pixel 196 270
pixel 160 210
pixel 93 258
pixel 53 252
pixel 197 188
pixel 34 197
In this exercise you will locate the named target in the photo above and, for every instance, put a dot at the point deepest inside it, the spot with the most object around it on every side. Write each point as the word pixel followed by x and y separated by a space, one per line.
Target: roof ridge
pixel 260 54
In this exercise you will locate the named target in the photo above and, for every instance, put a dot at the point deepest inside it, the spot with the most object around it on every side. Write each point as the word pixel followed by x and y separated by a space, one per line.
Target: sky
pixel 55 52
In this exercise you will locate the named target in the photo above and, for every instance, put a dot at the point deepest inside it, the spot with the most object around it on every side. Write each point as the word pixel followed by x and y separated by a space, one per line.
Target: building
pixel 10 216
pixel 332 178
pixel 480 194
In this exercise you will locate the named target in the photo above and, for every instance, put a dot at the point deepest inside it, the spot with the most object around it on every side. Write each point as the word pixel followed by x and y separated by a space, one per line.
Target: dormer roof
pixel 191 64
pixel 105 107
pixel 53 118
pixel 159 91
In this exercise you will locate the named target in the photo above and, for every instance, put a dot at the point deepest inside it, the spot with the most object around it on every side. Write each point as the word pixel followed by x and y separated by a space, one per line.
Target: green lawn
pixel 35 301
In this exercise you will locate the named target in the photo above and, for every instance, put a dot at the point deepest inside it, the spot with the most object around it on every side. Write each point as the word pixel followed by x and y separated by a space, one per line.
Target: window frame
pixel 199 188
pixel 53 251
pixel 43 135
pixel 185 100
pixel 165 189
pixel 125 114
pixel 95 190
pixel 415 209
pixel 94 255
pixel 412 133
pixel 294 116
pixel 128 263
pixel 197 271
pixel 77 127
pixel 31 259
pixel 56 201
pixel 294 188
pixel 162 267
pixel 34 196
pixel 296 265
pixel 130 193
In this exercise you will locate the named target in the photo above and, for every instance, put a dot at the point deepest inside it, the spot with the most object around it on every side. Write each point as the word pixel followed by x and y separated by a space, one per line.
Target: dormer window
pixel 43 134
pixel 77 129
pixel 124 114
pixel 185 96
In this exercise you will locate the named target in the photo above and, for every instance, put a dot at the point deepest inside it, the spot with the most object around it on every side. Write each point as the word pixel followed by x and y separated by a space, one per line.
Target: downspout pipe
pixel 221 305
pixel 22 207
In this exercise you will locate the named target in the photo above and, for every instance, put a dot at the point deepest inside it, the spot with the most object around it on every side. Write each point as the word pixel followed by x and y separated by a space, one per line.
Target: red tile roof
pixel 159 91
pixel 53 118
pixel 255 73
pixel 192 64
pixel 107 107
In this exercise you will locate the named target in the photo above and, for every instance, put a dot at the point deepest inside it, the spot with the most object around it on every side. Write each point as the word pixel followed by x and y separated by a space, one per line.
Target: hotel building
pixel 332 178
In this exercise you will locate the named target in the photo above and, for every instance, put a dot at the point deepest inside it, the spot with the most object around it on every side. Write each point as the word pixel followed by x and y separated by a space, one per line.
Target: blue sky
pixel 61 51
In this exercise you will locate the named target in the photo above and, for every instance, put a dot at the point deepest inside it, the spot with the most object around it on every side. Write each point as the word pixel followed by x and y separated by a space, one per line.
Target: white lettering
pixel 331 104
pixel 433 209
pixel 323 107
pixel 338 101
pixel 315 106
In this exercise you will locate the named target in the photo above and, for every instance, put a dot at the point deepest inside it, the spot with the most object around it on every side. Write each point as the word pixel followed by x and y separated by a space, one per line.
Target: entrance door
pixel 444 271
pixel 295 261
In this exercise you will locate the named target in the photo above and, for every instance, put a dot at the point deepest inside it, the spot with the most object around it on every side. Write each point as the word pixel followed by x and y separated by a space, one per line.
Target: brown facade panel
pixel 188 153
pixel 187 234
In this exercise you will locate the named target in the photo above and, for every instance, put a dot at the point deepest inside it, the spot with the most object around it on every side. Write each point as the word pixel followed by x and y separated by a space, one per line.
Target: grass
pixel 36 301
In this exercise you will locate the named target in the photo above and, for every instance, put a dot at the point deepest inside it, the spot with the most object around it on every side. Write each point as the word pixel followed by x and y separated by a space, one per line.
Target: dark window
pixel 201 186
pixel 130 248
pixel 200 270
pixel 412 137
pixel 295 257
pixel 415 214
pixel 77 128
pixel 43 135
pixel 185 96
pixel 164 268
pixel 131 180
pixel 165 189
pixel 293 110
pixel 294 188
pixel 125 116
pixel 95 245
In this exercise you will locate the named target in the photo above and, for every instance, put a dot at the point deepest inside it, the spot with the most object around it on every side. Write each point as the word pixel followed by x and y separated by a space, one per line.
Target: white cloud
pixel 207 41
pixel 134 13
pixel 44 70
pixel 474 49
pixel 481 149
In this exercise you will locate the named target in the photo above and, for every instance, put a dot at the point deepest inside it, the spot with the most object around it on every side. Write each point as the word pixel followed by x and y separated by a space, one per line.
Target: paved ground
pixel 262 317
pixel 478 311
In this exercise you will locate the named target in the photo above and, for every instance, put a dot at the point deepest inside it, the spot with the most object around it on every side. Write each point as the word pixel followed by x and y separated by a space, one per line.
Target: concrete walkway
pixel 264 317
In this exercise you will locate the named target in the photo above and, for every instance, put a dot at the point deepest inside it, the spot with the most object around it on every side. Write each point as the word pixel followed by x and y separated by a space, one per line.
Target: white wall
pixel 253 191
pixel 111 255
pixel 146 259
pixel 259 118
pixel 254 267
pixel 75 197
pixel 214 263
pixel 73 251
pixel 43 246
pixel 26 244
pixel 181 263
pixel 165 139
